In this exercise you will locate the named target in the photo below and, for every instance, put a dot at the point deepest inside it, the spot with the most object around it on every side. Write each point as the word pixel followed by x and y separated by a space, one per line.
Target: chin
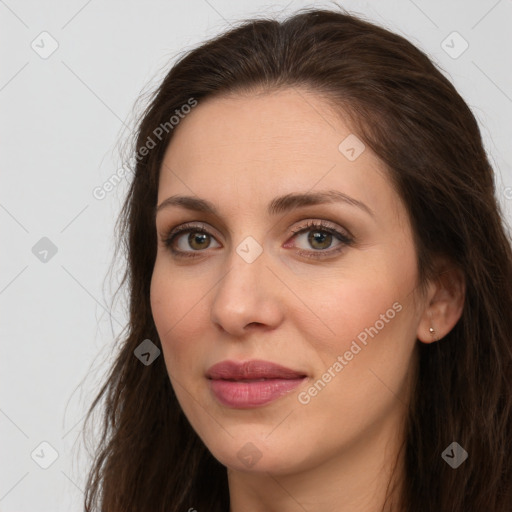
pixel 257 455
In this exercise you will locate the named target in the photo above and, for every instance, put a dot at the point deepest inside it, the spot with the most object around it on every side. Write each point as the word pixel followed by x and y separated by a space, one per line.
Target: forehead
pixel 284 125
pixel 241 148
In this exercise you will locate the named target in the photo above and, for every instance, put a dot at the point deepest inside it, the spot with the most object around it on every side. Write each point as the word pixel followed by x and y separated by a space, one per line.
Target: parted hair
pixel 400 104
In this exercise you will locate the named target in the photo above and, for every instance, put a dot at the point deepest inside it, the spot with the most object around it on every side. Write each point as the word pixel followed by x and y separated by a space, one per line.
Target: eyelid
pixel 321 224
pixel 187 225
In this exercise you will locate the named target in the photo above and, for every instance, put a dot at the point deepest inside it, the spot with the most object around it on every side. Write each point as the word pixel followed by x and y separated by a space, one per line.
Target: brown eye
pixel 320 239
pixel 198 239
pixel 317 239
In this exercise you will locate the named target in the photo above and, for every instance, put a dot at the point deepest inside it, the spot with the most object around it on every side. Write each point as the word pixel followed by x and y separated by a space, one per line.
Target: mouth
pixel 252 383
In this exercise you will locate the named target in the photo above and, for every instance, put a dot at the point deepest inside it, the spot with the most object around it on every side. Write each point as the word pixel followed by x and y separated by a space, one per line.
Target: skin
pixel 336 452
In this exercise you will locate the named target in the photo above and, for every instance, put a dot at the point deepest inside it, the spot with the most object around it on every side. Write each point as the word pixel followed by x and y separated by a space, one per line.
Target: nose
pixel 248 296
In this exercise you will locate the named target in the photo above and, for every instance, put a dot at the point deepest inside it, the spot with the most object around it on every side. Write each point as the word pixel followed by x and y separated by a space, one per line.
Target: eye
pixel 198 238
pixel 320 235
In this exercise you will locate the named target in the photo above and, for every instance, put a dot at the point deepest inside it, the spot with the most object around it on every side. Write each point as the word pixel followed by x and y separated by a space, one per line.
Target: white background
pixel 62 121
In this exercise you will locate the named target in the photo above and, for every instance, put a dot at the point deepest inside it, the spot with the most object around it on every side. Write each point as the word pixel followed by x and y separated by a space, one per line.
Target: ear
pixel 443 305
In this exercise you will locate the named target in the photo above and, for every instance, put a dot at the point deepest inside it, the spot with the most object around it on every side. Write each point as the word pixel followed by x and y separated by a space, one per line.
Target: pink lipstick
pixel 252 383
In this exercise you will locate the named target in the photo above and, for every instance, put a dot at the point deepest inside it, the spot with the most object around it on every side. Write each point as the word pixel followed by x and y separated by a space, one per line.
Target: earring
pixel 432 331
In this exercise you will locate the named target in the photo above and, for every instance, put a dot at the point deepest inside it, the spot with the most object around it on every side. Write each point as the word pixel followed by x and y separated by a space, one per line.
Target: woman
pixel 316 250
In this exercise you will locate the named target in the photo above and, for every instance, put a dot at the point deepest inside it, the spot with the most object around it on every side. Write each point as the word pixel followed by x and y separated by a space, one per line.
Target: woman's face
pixel 334 303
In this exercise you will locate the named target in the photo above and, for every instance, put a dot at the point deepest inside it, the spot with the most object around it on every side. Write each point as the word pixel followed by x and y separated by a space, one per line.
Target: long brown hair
pixel 411 116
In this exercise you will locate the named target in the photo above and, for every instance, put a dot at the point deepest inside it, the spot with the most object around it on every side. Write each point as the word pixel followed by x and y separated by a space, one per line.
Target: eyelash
pixel 321 226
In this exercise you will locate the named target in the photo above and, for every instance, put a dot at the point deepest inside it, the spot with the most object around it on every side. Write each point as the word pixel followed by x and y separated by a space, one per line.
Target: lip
pixel 251 383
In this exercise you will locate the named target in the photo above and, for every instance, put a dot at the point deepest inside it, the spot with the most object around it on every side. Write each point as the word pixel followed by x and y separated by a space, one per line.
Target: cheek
pixel 362 369
pixel 355 307
pixel 367 317
pixel 176 306
pixel 367 330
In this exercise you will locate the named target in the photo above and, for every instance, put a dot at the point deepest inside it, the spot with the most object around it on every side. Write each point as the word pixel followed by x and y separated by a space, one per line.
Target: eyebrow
pixel 278 205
